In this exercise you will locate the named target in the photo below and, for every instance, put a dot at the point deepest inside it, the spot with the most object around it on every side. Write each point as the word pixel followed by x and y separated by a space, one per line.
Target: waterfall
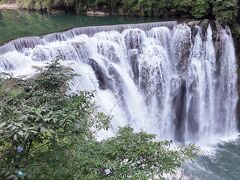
pixel 170 79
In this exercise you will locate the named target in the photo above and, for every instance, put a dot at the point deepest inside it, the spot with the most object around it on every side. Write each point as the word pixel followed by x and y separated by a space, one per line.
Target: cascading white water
pixel 176 81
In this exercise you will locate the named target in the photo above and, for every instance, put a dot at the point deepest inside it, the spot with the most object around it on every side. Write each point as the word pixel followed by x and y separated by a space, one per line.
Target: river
pixel 16 23
pixel 217 162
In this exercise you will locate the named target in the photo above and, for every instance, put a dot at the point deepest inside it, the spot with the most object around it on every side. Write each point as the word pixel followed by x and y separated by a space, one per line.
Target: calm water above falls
pixel 15 24
pixel 164 78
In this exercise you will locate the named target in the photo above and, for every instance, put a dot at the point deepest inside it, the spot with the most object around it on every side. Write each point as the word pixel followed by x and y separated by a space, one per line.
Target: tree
pixel 39 113
pixel 225 11
pixel 48 133
pixel 201 9
pixel 128 155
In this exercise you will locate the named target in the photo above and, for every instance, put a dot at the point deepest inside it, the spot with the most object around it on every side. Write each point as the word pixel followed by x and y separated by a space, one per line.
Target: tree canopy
pixel 47 133
pixel 225 11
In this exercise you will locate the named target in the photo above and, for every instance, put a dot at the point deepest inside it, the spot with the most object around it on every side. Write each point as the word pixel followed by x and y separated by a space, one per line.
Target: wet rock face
pixel 204 25
pixel 40 54
pixel 103 79
pixel 181 51
pixel 108 51
pixel 6 65
pixel 134 62
pixel 218 42
pixel 184 57
pixel 180 108
pixel 216 34
pixel 109 79
pixel 134 39
pixel 82 50
pixel 194 31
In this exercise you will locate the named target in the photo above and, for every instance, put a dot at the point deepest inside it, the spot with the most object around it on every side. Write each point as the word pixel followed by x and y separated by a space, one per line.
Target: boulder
pixel 97 13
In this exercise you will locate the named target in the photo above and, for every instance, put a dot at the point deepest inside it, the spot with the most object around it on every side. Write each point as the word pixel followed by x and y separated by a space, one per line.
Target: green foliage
pixel 201 9
pixel 46 133
pixel 135 154
pixel 183 5
pixel 40 113
pixel 129 155
pixel 225 11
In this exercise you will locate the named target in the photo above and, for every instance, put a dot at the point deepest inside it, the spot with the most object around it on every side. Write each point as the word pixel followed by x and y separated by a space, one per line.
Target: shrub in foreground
pixel 46 133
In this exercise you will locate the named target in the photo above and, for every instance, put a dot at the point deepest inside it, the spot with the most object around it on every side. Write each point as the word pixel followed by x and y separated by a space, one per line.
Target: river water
pixel 15 24
pixel 164 78
pixel 217 162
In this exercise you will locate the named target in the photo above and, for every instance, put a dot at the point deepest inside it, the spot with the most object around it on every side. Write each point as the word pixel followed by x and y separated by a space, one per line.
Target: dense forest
pixel 223 11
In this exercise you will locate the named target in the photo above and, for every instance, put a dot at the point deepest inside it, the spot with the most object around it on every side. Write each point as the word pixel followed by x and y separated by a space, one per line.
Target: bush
pixel 201 9
pixel 129 155
pixel 38 115
pixel 225 11
pixel 48 134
